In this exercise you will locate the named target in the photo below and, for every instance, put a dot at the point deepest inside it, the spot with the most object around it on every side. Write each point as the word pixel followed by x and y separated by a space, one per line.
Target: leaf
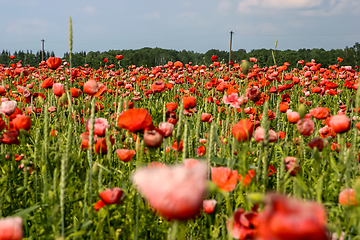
pixel 26 211
pixel 319 188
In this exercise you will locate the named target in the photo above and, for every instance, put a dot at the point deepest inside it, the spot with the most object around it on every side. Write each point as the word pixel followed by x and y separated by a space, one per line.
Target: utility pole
pixel 42 53
pixel 231 33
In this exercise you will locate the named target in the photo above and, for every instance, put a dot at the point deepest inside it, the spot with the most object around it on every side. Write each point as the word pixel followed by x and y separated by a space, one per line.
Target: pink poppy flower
pixel 8 107
pixel 174 192
pixel 234 100
pixel 100 125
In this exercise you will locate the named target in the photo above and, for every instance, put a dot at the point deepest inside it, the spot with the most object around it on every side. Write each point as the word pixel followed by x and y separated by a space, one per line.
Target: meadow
pixel 179 151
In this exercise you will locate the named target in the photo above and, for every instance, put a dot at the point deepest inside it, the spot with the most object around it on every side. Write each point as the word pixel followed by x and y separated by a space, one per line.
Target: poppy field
pixel 179 151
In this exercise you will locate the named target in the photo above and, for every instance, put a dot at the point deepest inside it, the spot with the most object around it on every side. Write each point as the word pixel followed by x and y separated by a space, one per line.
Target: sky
pixel 197 25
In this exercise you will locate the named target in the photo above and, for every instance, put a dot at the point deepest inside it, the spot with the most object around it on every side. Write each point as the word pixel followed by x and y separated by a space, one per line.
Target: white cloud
pixel 335 7
pixel 28 27
pixel 150 16
pixel 224 6
pixel 90 10
pixel 291 4
pixel 263 6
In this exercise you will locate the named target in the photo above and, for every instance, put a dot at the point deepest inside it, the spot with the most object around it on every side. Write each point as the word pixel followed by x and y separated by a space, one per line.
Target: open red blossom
pixel 340 123
pixel 170 107
pixel 10 138
pixel 53 62
pixel 243 130
pixel 189 102
pixel 125 155
pixel 288 218
pixel 135 120
pixel 224 178
pixel 243 225
pixel 320 112
pixel 112 195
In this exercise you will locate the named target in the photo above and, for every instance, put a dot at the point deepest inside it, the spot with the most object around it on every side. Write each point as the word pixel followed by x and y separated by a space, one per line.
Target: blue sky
pixel 197 25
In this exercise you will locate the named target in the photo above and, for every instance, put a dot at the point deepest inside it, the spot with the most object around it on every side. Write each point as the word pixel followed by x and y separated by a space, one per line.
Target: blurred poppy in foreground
pixel 243 225
pixel 174 192
pixel 288 218
pixel 11 228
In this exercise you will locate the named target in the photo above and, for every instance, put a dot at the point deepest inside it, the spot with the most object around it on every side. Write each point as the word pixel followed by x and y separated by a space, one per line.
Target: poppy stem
pixel 173 230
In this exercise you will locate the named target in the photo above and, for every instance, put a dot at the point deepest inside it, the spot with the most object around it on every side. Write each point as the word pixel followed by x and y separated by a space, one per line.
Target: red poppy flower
pixel 91 87
pixel 100 204
pixel 243 130
pixel 209 206
pixel 175 147
pixel 171 107
pixel 305 126
pixel 347 197
pixel 125 155
pixel 47 83
pixel 317 142
pixel 340 123
pixel 247 178
pixel 58 89
pixel 299 220
pixel 12 57
pixel 53 62
pixel 224 178
pixel 135 120
pixel 158 86
pixel 174 192
pixel 205 117
pixel 75 92
pixel 22 122
pixel 214 58
pixel 10 137
pixel 320 112
pixel 292 165
pixel 119 57
pixel 189 102
pixel 100 145
pixel 153 137
pixel 201 151
pixel 111 195
pixel 243 225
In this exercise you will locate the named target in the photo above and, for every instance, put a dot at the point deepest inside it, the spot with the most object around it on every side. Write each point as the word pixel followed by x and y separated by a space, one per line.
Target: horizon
pixel 189 25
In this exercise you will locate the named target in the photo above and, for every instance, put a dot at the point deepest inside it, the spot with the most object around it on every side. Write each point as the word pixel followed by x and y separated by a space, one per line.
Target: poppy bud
pixel 302 110
pixel 292 165
pixel 153 138
pixel 245 67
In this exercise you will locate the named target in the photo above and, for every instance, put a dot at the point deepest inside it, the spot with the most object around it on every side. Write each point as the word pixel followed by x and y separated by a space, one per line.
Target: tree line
pixel 150 57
